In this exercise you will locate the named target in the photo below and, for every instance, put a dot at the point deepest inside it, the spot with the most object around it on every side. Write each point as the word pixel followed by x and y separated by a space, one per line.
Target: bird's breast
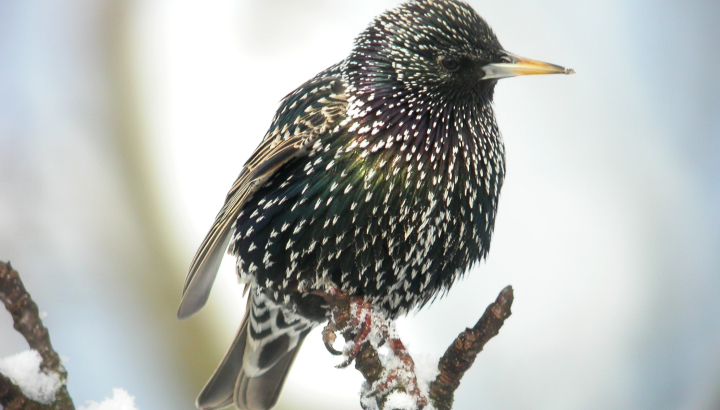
pixel 382 217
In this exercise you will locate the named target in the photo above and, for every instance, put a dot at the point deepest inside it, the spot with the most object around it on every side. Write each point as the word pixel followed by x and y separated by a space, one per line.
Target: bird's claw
pixel 328 336
pixel 354 322
pixel 345 364
pixel 360 326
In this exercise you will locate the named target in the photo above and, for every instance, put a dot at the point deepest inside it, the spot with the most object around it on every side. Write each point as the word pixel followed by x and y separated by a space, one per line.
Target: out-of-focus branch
pixel 12 397
pixel 26 320
pixel 365 331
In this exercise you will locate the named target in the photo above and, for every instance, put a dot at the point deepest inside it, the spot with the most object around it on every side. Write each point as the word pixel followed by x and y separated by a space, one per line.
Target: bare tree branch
pixel 26 320
pixel 353 318
pixel 359 324
pixel 12 397
pixel 462 353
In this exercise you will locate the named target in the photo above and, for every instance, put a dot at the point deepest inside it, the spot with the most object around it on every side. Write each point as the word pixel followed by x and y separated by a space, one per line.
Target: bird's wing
pixel 311 111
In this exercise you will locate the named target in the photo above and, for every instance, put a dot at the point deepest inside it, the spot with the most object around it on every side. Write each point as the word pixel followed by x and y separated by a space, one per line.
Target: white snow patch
pixel 121 401
pixel 387 358
pixel 426 370
pixel 24 370
pixel 400 401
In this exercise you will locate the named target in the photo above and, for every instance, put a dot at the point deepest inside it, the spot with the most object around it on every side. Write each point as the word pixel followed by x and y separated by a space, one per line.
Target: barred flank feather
pixel 254 369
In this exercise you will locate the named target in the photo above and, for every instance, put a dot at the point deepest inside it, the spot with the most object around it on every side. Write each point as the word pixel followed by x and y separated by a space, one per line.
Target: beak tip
pixel 569 71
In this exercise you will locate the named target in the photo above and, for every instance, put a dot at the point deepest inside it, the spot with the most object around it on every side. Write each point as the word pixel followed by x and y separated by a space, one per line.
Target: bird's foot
pixel 357 321
pixel 328 336
pixel 359 329
pixel 367 330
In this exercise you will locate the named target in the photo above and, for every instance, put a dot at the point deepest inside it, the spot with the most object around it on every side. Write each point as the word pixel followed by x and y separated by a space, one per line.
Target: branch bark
pixel 26 320
pixel 351 317
pixel 393 372
pixel 462 353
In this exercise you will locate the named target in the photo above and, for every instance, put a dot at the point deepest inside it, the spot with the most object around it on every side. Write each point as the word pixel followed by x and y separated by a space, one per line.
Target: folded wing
pixel 307 114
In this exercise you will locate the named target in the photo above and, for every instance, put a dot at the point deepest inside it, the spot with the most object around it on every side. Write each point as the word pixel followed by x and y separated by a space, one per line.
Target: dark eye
pixel 450 64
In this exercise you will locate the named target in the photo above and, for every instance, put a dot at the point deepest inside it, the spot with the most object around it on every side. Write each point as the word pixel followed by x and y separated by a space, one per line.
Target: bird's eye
pixel 450 64
pixel 506 59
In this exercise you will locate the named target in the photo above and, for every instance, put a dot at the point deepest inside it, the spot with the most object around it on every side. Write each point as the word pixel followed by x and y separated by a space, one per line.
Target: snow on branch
pixel 389 371
pixel 36 380
pixel 23 385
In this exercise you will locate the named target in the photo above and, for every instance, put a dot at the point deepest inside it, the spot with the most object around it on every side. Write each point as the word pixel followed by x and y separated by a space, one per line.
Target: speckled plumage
pixel 398 196
pixel 380 177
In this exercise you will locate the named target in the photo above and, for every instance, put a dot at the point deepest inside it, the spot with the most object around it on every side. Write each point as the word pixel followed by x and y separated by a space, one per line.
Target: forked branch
pixel 366 332
pixel 390 371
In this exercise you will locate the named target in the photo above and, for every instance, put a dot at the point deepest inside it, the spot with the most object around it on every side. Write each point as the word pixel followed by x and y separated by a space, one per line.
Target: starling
pixel 379 177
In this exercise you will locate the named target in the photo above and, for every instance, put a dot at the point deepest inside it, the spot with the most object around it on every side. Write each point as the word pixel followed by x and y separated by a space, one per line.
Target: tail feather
pixel 218 392
pixel 255 367
pixel 262 392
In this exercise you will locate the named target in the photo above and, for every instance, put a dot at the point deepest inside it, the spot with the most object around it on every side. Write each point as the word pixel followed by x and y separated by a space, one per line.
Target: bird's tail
pixel 254 369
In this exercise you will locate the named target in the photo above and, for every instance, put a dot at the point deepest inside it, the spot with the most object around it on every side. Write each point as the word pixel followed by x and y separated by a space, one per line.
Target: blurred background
pixel 124 123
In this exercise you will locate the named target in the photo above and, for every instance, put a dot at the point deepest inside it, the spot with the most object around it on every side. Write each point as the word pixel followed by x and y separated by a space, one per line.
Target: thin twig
pixel 26 320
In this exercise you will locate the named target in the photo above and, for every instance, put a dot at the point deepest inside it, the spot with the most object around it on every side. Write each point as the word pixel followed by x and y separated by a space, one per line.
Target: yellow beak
pixel 522 66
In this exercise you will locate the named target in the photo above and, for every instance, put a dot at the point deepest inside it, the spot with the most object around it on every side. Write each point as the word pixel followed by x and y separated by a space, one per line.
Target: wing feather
pixel 300 121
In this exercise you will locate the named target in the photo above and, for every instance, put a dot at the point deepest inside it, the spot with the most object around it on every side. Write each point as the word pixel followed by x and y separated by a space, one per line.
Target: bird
pixel 378 177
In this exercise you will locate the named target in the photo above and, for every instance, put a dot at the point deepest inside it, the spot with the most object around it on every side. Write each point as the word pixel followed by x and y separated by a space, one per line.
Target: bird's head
pixel 435 47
